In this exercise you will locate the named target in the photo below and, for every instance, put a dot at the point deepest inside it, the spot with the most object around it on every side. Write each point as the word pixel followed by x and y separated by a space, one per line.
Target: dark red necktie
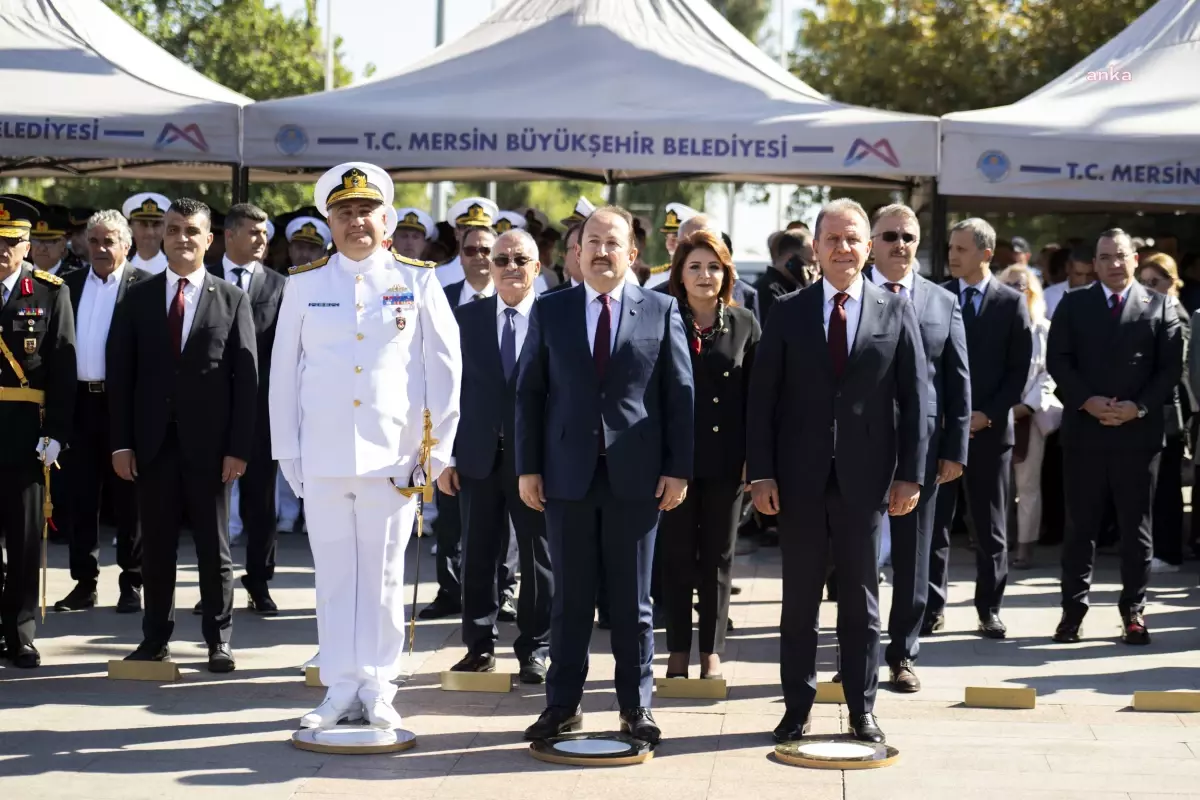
pixel 175 317
pixel 1114 306
pixel 837 334
pixel 600 347
pixel 894 288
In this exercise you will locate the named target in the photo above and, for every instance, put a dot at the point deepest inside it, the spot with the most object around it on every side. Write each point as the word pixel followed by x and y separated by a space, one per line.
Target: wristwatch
pixel 1141 411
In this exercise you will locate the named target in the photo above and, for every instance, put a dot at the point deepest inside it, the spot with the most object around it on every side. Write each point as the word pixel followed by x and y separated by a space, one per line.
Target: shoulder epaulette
pixel 53 280
pixel 413 262
pixel 320 262
pixel 659 270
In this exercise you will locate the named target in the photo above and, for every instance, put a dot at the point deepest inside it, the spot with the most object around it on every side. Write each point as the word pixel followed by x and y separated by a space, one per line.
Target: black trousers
pixel 87 479
pixel 986 486
pixel 256 506
pixel 1094 480
pixel 912 538
pixel 806 530
pixel 21 520
pixel 169 487
pixel 580 531
pixel 696 541
pixel 1168 503
pixel 447 528
pixel 487 505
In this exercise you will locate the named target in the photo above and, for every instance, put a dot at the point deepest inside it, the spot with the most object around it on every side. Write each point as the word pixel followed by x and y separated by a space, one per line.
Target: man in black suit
pixel 493 332
pixel 604 443
pixel 183 395
pixel 896 236
pixel 242 265
pixel 1116 353
pixel 792 268
pixel 999 347
pixel 837 434
pixel 87 474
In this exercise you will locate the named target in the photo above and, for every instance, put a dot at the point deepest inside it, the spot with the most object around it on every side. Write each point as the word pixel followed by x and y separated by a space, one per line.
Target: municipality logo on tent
pixel 862 148
pixel 172 133
pixel 993 166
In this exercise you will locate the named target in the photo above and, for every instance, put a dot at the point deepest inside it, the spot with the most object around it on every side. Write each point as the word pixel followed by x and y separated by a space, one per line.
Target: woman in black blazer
pixel 698 536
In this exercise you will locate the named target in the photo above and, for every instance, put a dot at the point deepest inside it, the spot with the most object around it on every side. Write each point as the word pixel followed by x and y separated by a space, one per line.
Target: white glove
pixel 290 468
pixel 48 453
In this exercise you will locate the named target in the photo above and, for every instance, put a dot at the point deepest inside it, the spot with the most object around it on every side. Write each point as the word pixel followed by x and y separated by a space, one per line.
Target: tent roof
pixel 1128 107
pixel 93 88
pixel 670 83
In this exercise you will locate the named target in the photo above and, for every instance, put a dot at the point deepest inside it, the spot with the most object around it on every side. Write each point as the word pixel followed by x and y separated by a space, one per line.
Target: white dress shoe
pixel 382 714
pixel 330 713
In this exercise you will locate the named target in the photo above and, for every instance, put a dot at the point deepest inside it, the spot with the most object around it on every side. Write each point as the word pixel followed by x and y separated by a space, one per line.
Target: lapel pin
pixel 212 288
pixel 878 301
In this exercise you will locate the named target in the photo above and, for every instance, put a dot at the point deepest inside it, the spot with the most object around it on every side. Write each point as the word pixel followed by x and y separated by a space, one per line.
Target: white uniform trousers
pixel 1029 488
pixel 358 529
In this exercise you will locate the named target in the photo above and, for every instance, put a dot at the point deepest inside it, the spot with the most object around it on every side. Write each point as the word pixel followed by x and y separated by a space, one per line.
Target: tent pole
pixel 938 234
pixel 235 188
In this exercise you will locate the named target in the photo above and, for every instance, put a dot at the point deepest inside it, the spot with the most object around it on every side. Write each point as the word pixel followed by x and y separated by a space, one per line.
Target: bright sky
pixel 391 34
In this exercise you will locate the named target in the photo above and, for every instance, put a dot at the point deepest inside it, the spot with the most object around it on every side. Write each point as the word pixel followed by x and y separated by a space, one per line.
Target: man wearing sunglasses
pixel 483 474
pixel 896 237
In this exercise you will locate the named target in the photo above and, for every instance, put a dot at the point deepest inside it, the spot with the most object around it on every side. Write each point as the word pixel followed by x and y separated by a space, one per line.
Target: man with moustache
pixel 182 409
pixel 837 434
pixel 604 444
pixel 87 474
pixel 145 212
pixel 493 332
pixel 1116 353
pixel 999 348
pixel 896 238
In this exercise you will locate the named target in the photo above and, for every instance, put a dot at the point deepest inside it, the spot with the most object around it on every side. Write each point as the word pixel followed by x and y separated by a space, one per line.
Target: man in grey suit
pixel 896 236
pixel 837 434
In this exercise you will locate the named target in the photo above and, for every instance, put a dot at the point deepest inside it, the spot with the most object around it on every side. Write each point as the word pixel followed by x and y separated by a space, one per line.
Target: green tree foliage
pixel 745 15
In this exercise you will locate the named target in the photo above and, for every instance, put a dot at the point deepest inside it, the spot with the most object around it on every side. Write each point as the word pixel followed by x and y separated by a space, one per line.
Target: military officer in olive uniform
pixel 37 403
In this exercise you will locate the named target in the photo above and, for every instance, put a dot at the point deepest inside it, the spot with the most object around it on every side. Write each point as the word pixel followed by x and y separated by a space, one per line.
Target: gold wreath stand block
pixel 1176 702
pixel 154 671
pixel 496 682
pixel 319 741
pixel 692 689
pixel 876 756
pixel 312 678
pixel 829 692
pixel 1000 697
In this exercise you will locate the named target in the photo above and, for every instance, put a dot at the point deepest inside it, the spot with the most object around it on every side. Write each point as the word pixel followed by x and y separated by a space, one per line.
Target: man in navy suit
pixel 896 237
pixel 1000 347
pixel 604 444
pixel 493 332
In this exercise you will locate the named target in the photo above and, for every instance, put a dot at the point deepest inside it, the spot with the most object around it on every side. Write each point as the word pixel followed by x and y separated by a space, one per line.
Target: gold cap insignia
pixel 672 222
pixel 150 207
pixel 42 227
pixel 503 226
pixel 354 179
pixel 4 215
pixel 476 216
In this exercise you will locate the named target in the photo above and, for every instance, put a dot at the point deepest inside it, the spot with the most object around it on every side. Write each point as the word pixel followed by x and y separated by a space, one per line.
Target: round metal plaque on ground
pixel 592 750
pixel 831 753
pixel 353 740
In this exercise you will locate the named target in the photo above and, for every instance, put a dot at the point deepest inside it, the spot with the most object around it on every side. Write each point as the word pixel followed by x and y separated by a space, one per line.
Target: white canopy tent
pixel 90 96
pixel 1120 128
pixel 607 90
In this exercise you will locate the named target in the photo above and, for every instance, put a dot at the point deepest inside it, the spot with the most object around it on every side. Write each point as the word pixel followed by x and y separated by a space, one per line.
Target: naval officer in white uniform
pixel 365 343
pixel 146 212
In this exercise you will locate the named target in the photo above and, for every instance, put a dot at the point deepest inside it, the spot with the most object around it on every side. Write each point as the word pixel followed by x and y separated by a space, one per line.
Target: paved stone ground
pixel 66 732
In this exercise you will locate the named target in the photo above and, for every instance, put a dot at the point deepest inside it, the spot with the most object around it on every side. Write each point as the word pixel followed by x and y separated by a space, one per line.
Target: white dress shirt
pixel 57 266
pixel 230 276
pixel 467 293
pixel 191 298
pixel 154 266
pixel 881 280
pixel 96 306
pixel 1053 294
pixel 853 308
pixel 520 320
pixel 9 284
pixel 594 307
pixel 979 288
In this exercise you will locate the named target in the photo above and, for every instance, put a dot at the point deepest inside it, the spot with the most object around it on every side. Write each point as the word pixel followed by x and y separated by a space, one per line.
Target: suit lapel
pixel 583 344
pixel 258 283
pixel 487 330
pixel 814 316
pixel 631 307
pixel 920 296
pixel 207 288
pixel 1136 301
pixel 14 295
pixel 75 283
pixel 989 289
pixel 127 280
pixel 870 303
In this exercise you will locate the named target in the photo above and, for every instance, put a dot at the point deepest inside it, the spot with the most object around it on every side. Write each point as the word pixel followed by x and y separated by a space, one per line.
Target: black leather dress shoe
pixel 1134 630
pixel 83 596
pixel 933 624
pixel 149 651
pixel 507 612
pixel 25 657
pixel 476 662
pixel 604 623
pixel 903 678
pixel 220 658
pixel 792 727
pixel 533 671
pixel 130 601
pixel 260 601
pixel 639 723
pixel 866 728
pixel 439 608
pixel 1069 630
pixel 735 590
pixel 990 627
pixel 198 609
pixel 555 721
